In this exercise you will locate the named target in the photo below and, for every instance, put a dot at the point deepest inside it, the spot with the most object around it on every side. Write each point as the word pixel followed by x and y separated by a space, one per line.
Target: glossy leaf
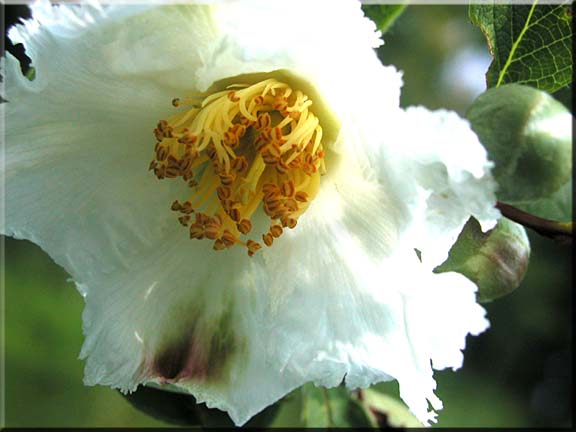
pixel 530 44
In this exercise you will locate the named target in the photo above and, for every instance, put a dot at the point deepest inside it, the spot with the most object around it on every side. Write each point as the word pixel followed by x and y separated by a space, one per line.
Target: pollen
pixel 247 149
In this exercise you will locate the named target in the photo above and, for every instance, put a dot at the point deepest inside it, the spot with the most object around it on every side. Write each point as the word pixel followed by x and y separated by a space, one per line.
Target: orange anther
pixel 185 163
pixel 246 121
pixel 244 226
pixel 223 193
pixel 161 153
pixel 288 222
pixel 239 130
pixel 188 139
pixel 276 230
pixel 281 167
pixel 228 238
pixel 268 157
pixel 264 121
pixel 277 134
pixel 234 214
pixel 186 207
pixel 270 188
pixel 197 231
pixel 232 96
pixel 288 188
pixel 291 205
pixel 184 220
pixel 301 196
pixel 172 172
pixel 158 135
pixel 187 175
pixel 201 218
pixel 239 164
pixel 253 246
pixel 219 245
pixel 212 231
pixel 230 139
pixel 268 239
pixel 227 179
pixel 172 161
pixel 159 171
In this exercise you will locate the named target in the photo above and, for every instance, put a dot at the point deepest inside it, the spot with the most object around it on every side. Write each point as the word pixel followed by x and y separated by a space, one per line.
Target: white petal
pixel 296 39
pixel 345 311
pixel 436 163
pixel 342 296
pixel 454 315
pixel 78 140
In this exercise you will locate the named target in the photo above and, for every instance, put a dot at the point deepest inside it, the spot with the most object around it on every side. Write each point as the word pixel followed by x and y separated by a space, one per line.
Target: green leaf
pixel 335 407
pixel 389 410
pixel 495 260
pixel 384 15
pixel 530 44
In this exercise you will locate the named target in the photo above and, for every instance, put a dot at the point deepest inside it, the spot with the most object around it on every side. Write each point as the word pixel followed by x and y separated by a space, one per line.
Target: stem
pixel 560 231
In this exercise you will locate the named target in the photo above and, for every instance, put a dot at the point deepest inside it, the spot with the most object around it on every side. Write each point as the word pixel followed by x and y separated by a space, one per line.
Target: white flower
pixel 341 296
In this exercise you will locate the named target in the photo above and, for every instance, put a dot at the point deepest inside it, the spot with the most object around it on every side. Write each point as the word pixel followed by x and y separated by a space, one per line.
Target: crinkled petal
pixel 441 170
pixel 342 314
pixel 170 319
pixel 296 38
pixel 341 297
pixel 78 141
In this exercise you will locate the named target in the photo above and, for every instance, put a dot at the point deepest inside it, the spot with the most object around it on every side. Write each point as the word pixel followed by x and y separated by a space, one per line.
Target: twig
pixel 559 231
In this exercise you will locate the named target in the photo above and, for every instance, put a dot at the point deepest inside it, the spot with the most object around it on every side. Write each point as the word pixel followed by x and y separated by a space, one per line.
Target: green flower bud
pixel 496 260
pixel 528 134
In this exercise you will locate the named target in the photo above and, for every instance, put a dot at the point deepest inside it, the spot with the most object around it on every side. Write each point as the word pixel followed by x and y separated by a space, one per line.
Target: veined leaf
pixel 384 15
pixel 530 44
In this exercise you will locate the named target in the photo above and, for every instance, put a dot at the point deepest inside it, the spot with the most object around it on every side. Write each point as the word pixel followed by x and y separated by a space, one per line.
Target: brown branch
pixel 559 231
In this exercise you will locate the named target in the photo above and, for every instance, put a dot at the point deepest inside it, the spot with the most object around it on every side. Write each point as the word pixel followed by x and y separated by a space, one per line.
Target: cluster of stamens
pixel 236 149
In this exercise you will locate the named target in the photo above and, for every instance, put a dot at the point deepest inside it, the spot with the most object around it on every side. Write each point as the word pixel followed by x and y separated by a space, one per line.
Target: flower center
pixel 238 148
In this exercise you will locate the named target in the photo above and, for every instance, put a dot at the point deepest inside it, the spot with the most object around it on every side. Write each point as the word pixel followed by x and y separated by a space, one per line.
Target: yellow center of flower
pixel 238 148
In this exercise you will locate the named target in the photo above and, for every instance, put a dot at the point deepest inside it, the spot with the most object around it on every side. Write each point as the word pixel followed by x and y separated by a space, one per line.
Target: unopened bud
pixel 528 135
pixel 496 260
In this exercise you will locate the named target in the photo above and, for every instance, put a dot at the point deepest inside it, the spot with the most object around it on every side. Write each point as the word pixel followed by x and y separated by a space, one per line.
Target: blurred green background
pixel 517 374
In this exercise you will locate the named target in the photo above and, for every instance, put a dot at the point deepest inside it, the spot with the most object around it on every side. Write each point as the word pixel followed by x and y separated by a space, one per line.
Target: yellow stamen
pixel 235 149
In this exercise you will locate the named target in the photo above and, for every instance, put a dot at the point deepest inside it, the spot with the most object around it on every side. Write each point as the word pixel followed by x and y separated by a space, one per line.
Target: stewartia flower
pixel 239 197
